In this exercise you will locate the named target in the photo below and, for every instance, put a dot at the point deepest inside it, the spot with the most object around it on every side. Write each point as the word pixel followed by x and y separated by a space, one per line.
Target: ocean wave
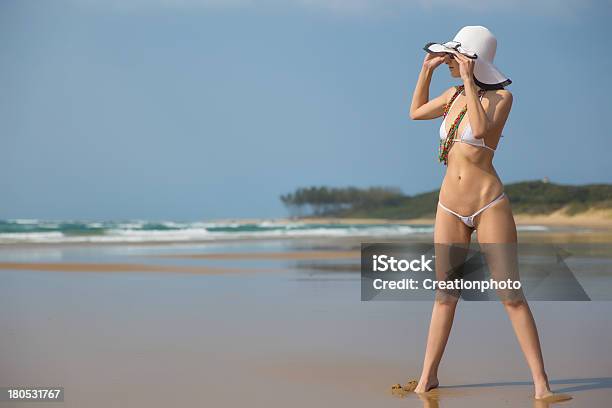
pixel 142 231
pixel 38 231
pixel 531 228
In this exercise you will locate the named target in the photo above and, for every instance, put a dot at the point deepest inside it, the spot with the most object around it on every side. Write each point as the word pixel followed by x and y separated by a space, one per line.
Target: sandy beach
pixel 269 323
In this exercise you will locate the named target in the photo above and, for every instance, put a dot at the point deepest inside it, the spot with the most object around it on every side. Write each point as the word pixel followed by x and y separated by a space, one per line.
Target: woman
pixel 471 196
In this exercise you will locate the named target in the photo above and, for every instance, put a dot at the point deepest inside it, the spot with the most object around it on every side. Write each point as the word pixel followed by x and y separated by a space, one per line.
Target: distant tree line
pixel 532 197
pixel 326 201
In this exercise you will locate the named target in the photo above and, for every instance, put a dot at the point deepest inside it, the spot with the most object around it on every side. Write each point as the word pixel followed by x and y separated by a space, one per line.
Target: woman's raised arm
pixel 421 107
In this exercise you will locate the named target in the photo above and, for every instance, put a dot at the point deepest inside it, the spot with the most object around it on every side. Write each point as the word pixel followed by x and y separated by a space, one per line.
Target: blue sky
pixel 201 109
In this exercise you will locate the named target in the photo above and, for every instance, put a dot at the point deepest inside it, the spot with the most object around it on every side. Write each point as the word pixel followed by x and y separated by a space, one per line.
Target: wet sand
pixel 125 267
pixel 261 324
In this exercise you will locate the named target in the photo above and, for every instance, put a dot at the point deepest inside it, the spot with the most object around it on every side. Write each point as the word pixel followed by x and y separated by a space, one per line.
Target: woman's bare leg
pixel 448 230
pixel 496 226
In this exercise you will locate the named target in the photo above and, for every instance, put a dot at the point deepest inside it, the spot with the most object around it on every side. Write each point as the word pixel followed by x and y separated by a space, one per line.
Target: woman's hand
pixel 432 61
pixel 466 67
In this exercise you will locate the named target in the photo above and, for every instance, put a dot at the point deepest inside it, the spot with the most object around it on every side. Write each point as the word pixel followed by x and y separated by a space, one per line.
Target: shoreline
pixel 597 219
pixel 559 232
pixel 590 219
pixel 521 220
pixel 592 226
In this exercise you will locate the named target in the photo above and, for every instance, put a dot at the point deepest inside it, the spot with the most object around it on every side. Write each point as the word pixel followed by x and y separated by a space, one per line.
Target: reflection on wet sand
pixel 430 399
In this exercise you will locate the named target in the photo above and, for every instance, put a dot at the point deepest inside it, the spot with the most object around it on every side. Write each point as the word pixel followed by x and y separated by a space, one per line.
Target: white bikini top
pixel 467 136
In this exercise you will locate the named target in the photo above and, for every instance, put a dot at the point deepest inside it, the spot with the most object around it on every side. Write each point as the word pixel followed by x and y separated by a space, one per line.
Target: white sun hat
pixel 479 43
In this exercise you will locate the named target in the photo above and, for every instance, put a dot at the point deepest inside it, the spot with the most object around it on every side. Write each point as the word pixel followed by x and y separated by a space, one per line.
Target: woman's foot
pixel 543 392
pixel 542 388
pixel 412 386
pixel 426 384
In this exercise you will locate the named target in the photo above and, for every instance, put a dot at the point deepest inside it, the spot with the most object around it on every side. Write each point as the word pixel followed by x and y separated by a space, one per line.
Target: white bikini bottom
pixel 469 220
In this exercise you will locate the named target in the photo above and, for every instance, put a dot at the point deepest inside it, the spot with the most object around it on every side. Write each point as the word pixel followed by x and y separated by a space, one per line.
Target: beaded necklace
pixel 447 143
